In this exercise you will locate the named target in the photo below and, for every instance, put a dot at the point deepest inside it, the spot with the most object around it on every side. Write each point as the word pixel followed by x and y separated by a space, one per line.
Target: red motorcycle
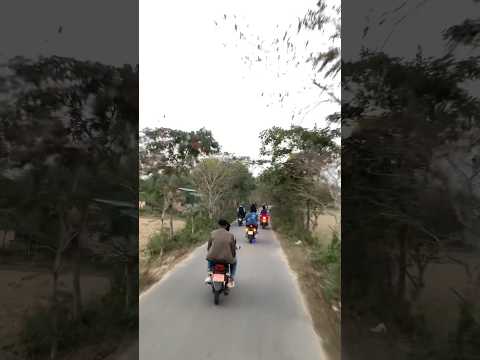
pixel 220 278
pixel 264 221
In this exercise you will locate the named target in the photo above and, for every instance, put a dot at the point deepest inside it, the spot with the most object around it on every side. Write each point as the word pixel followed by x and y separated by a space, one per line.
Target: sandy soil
pixel 326 222
pixel 23 291
pixel 150 225
pixel 152 270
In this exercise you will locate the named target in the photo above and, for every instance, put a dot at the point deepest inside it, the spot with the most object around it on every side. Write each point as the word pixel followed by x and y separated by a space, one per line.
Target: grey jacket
pixel 222 247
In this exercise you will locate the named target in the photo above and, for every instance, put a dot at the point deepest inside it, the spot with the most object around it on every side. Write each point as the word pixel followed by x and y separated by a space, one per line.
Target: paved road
pixel 263 318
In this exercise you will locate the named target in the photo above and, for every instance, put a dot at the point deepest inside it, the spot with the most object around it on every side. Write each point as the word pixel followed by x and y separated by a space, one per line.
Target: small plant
pixel 161 242
pixel 328 259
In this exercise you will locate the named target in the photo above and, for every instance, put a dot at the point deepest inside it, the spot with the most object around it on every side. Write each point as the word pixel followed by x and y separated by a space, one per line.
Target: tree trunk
pixel 128 284
pixel 54 311
pixel 193 224
pixel 77 293
pixel 308 216
pixel 402 262
pixel 171 224
pixel 164 210
pixel 76 247
pixel 55 305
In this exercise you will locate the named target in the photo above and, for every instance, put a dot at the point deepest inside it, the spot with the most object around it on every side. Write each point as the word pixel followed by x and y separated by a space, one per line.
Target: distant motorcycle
pixel 240 221
pixel 264 221
pixel 251 232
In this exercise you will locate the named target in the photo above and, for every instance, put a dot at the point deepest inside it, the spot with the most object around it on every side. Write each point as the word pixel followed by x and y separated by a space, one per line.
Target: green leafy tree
pixel 66 124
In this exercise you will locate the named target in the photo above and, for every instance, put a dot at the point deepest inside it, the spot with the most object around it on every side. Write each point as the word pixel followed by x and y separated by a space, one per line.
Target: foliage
pixel 170 150
pixel 99 320
pixel 296 181
pixel 328 61
pixel 409 162
pixel 278 142
pixel 161 243
pixel 299 187
pixel 69 131
pixel 222 182
pixel 328 260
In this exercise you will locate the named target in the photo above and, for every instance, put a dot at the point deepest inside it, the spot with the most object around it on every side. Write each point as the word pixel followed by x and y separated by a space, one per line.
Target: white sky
pixel 189 79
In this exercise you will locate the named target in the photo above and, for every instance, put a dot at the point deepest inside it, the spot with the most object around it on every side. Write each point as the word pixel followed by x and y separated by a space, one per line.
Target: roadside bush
pixel 328 259
pixel 100 321
pixel 161 242
pixel 331 254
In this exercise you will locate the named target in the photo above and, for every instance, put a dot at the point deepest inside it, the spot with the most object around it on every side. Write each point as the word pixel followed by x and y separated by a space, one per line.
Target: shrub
pixel 329 261
pixel 161 242
pixel 101 320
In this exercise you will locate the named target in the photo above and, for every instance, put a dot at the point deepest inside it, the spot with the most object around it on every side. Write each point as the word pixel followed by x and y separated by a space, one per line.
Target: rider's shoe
pixel 231 284
pixel 208 279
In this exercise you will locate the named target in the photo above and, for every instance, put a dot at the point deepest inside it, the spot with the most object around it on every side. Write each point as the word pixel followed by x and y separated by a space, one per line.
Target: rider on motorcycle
pixel 241 212
pixel 252 217
pixel 264 211
pixel 222 248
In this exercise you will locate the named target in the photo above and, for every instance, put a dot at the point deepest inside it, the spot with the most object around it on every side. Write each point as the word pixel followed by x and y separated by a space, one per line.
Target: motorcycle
pixel 264 221
pixel 240 221
pixel 220 278
pixel 251 232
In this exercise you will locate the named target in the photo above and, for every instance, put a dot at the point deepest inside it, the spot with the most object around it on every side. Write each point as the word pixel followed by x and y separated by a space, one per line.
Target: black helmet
pixel 223 222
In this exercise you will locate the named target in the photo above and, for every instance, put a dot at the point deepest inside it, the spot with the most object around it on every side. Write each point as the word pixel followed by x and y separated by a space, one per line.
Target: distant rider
pixel 264 211
pixel 222 248
pixel 241 212
pixel 252 217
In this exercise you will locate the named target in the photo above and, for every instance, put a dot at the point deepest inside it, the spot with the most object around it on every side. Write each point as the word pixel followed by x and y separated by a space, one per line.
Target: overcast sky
pixel 104 31
pixel 192 74
pixel 421 22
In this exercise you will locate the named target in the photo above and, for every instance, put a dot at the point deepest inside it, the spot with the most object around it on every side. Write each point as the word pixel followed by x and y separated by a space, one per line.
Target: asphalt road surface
pixel 263 317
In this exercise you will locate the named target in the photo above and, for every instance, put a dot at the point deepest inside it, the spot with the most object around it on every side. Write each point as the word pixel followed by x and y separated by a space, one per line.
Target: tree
pixel 299 159
pixel 173 153
pixel 66 124
pixel 168 150
pixel 409 165
pixel 222 182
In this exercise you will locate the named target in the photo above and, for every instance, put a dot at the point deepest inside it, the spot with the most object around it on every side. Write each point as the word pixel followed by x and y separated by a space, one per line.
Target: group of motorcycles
pixel 251 230
pixel 221 272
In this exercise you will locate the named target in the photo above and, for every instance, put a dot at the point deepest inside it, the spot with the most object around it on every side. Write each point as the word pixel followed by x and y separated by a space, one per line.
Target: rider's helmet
pixel 224 223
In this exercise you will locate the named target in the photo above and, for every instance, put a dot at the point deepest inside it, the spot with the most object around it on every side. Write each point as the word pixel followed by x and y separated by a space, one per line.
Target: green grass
pixel 328 260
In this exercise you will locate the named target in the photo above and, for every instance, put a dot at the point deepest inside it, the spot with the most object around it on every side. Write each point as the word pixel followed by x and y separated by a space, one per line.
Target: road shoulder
pixel 326 321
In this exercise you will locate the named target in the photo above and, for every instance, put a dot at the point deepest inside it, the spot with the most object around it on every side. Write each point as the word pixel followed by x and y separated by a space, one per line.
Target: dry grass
pixel 150 225
pixel 23 292
pixel 153 269
pixel 325 319
pixel 325 223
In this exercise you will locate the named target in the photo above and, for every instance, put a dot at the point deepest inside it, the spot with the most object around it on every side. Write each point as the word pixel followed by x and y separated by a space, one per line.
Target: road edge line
pixel 303 300
pixel 172 269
